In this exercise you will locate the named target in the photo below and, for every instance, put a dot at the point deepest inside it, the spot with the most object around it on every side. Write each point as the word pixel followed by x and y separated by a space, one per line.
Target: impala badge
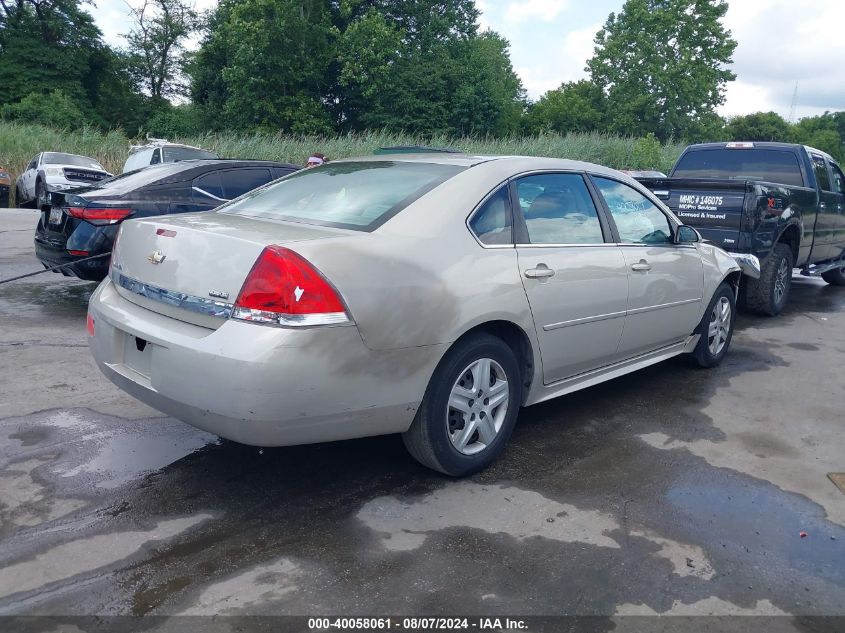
pixel 218 293
pixel 157 257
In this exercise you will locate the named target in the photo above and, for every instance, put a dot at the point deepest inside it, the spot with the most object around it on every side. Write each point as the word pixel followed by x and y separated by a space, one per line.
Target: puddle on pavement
pixel 67 298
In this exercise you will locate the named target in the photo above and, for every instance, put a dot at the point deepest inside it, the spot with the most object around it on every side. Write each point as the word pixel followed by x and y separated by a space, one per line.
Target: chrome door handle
pixel 539 273
pixel 642 266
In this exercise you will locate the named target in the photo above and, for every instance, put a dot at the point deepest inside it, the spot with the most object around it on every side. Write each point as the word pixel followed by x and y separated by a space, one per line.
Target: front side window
pixel 558 209
pixel 492 222
pixel 175 154
pixel 637 218
pixel 352 195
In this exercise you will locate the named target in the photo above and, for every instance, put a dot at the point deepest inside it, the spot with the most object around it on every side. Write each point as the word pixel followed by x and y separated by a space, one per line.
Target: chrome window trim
pixel 573 245
pixel 201 305
pixel 210 195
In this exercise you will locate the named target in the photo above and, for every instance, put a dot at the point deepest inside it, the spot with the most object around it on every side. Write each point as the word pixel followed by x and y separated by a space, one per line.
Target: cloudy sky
pixel 781 42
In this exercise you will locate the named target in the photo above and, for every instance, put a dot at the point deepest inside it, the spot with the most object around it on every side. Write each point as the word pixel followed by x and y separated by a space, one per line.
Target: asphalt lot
pixel 673 490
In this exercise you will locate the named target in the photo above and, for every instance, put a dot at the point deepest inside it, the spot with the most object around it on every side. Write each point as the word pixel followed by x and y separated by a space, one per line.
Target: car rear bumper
pixel 255 384
pixel 91 270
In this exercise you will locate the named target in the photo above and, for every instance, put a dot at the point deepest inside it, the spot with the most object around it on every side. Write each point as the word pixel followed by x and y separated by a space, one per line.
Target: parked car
pixel 55 171
pixel 5 187
pixel 783 203
pixel 408 294
pixel 163 151
pixel 83 223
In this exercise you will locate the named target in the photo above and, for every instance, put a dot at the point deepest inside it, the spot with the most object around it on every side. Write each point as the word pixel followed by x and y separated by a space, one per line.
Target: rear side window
pixel 838 178
pixel 558 209
pixel 820 169
pixel 353 195
pixel 236 182
pixel 492 222
pixel 209 185
pixel 766 165
pixel 156 157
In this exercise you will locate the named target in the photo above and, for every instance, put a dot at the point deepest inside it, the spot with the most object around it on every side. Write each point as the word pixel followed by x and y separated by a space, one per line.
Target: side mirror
pixel 686 235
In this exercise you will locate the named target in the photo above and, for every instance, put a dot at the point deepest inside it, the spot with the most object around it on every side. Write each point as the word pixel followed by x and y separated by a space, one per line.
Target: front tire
pixel 769 294
pixel 19 203
pixel 835 277
pixel 40 195
pixel 716 328
pixel 469 409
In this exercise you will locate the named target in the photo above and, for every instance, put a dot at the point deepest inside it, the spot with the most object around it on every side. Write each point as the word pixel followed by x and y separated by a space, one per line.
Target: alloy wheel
pixel 781 279
pixel 720 326
pixel 478 404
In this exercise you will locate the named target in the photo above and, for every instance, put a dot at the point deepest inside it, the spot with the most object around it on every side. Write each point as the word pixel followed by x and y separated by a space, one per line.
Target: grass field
pixel 20 142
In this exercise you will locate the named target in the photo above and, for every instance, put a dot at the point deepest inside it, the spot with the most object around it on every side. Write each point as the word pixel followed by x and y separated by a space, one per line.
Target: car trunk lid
pixel 191 267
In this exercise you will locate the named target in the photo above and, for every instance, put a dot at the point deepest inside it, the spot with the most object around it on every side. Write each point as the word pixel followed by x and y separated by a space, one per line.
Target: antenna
pixel 793 104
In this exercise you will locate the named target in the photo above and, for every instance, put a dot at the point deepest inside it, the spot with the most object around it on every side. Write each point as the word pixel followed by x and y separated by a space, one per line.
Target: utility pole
pixel 794 104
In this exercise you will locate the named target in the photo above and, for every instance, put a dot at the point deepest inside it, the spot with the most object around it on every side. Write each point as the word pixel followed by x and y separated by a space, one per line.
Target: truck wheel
pixel 469 409
pixel 19 203
pixel 716 328
pixel 768 295
pixel 40 195
pixel 835 277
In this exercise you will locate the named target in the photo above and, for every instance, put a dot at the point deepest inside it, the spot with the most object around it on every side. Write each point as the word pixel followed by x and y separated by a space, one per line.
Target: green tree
pixel 578 106
pixel 156 44
pixel 825 132
pixel 264 63
pixel 663 65
pixel 760 126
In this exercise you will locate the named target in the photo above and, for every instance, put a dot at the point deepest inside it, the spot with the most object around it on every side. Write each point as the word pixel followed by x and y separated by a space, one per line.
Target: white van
pixel 160 150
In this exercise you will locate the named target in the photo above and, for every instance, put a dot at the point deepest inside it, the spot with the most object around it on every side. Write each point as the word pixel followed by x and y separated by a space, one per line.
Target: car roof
pixel 518 163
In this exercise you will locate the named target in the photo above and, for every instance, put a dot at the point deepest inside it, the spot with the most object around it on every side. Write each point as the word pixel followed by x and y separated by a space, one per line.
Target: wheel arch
pixel 514 337
pixel 791 236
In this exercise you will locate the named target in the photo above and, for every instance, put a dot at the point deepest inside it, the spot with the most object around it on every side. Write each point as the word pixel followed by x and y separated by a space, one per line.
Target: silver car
pixel 430 295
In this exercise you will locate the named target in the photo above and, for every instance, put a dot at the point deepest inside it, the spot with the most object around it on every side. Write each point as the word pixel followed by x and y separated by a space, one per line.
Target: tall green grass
pixel 19 142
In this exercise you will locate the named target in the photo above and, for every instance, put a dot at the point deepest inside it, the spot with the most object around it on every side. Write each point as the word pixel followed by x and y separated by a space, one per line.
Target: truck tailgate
pixel 714 207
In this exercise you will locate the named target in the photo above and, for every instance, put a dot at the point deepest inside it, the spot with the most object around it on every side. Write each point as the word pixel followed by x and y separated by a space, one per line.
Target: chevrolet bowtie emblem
pixel 157 257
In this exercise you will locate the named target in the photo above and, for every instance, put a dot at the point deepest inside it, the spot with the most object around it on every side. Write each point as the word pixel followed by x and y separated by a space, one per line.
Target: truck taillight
pixel 97 215
pixel 283 288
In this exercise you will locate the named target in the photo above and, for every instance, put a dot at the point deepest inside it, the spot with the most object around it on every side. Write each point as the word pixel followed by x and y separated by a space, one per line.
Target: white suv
pixel 56 171
pixel 162 151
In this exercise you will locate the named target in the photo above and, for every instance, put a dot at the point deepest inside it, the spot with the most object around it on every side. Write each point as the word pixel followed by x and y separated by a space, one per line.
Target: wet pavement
pixel 670 491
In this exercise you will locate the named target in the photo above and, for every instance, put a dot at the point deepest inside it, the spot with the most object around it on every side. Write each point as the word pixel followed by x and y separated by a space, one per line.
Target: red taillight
pixel 79 253
pixel 98 215
pixel 90 325
pixel 285 289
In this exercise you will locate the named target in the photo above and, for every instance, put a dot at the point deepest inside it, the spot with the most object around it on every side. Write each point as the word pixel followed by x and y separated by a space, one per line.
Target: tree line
pixel 660 68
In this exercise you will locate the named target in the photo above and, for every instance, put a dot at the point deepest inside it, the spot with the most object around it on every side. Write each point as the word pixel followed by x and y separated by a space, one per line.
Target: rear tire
pixel 769 294
pixel 469 409
pixel 835 277
pixel 716 328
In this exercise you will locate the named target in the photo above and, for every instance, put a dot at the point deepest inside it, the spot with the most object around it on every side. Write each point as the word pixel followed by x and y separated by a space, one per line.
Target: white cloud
pixel 545 10
pixel 780 43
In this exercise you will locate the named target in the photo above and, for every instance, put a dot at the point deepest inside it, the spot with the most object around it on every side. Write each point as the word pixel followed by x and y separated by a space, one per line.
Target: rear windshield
pixel 353 195
pixel 768 165
pixel 175 154
pixel 139 178
pixel 57 158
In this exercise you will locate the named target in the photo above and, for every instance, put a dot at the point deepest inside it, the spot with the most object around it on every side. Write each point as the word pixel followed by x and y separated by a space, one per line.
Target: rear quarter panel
pixel 422 278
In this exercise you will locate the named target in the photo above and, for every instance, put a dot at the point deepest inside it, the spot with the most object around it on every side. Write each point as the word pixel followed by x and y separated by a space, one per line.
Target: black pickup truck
pixel 783 203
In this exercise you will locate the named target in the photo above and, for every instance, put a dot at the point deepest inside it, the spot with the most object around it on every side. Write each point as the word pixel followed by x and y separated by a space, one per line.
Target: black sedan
pixel 81 223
